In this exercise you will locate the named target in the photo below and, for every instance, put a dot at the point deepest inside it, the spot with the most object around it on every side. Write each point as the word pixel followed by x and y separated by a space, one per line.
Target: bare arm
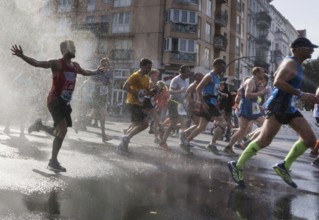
pixel 284 74
pixel 84 72
pixel 17 51
pixel 190 90
pixel 250 87
pixel 201 85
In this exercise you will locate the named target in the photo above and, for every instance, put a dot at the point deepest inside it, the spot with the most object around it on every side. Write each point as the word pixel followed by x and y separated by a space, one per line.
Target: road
pixel 148 184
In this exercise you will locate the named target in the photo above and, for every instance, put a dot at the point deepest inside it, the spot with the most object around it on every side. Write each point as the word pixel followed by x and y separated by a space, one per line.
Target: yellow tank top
pixel 137 81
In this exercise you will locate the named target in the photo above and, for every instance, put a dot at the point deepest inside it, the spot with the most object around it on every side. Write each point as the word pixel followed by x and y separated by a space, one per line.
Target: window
pixel 123 44
pixel 197 54
pixel 105 19
pixel 63 26
pixel 209 7
pixel 89 19
pixel 237 46
pixel 47 7
pixel 238 24
pixel 122 3
pixel 238 6
pixel 179 45
pixel 207 58
pixel 189 1
pixel 64 5
pixel 103 46
pixel 208 32
pixel 182 16
pixel 91 5
pixel 199 27
pixel 121 22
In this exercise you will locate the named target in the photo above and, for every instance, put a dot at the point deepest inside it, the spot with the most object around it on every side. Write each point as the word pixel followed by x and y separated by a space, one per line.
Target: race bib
pixel 181 110
pixel 256 109
pixel 141 95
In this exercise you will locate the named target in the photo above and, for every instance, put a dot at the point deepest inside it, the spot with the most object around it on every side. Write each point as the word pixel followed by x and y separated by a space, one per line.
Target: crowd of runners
pixel 182 108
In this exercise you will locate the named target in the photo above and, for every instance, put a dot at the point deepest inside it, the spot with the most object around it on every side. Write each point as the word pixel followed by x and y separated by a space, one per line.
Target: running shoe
pixel 229 150
pixel 237 174
pixel 122 148
pixel 281 171
pixel 106 137
pixel 212 148
pixel 185 147
pixel 315 163
pixel 35 126
pixel 55 166
pixel 163 146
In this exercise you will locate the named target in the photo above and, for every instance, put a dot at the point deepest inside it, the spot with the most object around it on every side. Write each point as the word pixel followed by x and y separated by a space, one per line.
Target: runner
pixel 207 92
pixel 177 112
pixel 64 73
pixel 280 109
pixel 137 86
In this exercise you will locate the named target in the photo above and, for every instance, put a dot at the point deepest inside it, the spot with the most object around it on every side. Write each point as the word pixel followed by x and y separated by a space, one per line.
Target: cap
pixel 302 42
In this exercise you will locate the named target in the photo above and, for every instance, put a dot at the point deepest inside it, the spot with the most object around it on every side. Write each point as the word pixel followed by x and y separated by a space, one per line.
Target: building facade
pixel 171 33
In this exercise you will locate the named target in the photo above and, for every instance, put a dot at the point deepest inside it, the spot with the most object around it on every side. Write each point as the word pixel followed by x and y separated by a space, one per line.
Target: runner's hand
pixel 17 50
pixel 309 97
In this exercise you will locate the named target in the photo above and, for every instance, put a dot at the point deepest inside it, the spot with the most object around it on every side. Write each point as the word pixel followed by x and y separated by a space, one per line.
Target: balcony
pixel 222 1
pixel 221 19
pixel 263 42
pixel 184 28
pixel 186 1
pixel 263 20
pixel 99 29
pixel 181 56
pixel 121 54
pixel 220 42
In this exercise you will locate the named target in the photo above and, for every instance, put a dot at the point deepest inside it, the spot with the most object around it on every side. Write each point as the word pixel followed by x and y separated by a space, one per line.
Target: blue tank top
pixel 282 102
pixel 210 91
pixel 249 108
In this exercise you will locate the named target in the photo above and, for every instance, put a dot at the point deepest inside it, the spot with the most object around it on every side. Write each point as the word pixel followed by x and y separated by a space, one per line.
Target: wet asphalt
pixel 150 183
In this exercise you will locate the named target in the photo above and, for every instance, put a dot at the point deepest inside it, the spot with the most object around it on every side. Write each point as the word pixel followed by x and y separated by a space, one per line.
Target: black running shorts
pixel 59 111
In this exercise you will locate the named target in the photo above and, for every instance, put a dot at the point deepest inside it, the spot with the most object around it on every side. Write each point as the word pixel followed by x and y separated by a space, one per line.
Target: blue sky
pixel 302 15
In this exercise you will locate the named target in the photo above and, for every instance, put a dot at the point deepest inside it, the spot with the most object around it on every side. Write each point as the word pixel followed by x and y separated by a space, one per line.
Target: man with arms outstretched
pixel 64 73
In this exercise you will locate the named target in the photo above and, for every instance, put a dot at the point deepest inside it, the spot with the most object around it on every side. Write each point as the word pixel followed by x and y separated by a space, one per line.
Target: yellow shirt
pixel 137 82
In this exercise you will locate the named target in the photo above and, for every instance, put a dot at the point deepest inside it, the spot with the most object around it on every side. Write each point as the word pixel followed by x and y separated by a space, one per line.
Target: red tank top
pixel 63 84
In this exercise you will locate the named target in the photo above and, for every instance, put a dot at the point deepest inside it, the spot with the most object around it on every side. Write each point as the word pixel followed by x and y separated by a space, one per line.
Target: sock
pixel 296 151
pixel 250 151
pixel 57 143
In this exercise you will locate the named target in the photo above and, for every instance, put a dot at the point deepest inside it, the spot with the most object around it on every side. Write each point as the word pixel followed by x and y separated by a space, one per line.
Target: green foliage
pixel 311 79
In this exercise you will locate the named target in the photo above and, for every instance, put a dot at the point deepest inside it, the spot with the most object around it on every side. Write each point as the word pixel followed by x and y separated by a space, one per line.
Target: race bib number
pixel 256 109
pixel 181 110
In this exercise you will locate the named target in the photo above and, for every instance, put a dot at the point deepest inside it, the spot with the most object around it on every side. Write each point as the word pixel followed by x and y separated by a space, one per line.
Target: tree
pixel 311 78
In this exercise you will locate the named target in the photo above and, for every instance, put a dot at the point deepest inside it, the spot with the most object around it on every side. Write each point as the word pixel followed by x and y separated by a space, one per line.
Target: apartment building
pixel 282 33
pixel 169 32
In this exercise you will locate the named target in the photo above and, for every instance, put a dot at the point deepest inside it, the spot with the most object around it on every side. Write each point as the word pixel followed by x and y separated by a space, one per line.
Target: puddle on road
pixel 157 196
